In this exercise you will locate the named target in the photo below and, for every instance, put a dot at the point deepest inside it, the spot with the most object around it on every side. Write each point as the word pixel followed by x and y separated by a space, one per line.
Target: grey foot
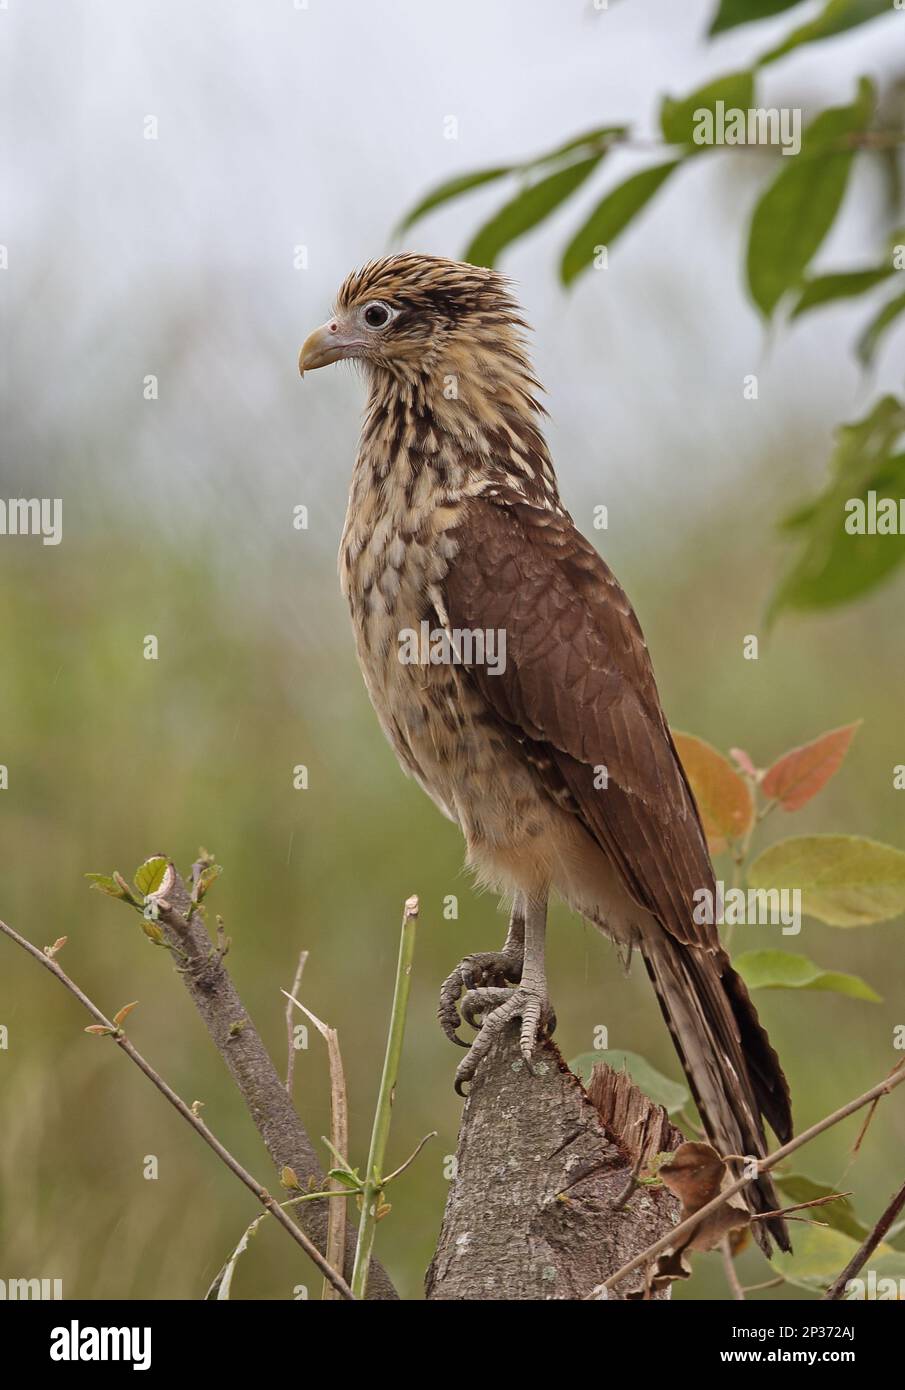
pixel 484 968
pixel 497 1008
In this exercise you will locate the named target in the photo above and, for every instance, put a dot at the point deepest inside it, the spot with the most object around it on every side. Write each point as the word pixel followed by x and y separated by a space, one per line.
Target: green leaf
pixel 206 879
pixel 105 884
pixel 836 565
pixel 870 338
pixel 845 880
pixel 593 139
pixel 798 208
pixel 835 18
pixel 824 289
pixel 452 188
pixel 821 1252
pixel 149 875
pixel 527 209
pixel 782 970
pixel 734 12
pixel 612 216
pixel 883 1278
pixel 465 183
pixel 670 1094
pixel 345 1178
pixel 839 1215
pixel 680 117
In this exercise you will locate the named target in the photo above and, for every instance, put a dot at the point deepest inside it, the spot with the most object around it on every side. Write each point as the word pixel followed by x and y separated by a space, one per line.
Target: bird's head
pixel 421 318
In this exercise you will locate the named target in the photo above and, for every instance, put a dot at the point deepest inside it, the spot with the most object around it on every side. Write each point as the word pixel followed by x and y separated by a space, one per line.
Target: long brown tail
pixel 734 1074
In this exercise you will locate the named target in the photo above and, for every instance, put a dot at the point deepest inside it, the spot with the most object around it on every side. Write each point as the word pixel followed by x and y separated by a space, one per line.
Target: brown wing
pixel 578 680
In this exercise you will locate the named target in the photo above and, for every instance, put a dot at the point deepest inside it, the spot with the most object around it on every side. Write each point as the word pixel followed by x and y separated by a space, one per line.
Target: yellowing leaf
pixel 105 884
pixel 124 1012
pixel 800 774
pixel 723 797
pixel 845 880
pixel 149 875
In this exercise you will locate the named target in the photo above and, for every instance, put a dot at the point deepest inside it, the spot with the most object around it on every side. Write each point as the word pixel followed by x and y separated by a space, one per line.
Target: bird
pixel 554 757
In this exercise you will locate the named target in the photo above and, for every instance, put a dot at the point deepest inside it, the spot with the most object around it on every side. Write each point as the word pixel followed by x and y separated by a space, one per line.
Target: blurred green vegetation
pixel 112 757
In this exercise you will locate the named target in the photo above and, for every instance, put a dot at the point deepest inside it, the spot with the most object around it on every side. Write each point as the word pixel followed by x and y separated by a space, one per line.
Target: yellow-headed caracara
pixel 530 715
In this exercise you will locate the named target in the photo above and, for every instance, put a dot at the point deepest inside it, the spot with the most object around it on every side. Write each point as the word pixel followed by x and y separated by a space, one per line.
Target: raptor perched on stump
pixel 556 761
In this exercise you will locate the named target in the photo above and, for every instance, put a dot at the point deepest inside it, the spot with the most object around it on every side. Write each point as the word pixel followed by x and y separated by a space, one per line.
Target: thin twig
pixel 410 1160
pixel 799 1206
pixel 763 1165
pixel 290 1031
pixel 224 1277
pixel 374 1181
pixel 339 1133
pixel 732 1279
pixel 186 1112
pixel 625 1195
pixel 869 1245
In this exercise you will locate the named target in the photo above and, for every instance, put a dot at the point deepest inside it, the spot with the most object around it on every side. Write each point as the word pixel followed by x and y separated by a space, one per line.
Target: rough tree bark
pixel 543 1205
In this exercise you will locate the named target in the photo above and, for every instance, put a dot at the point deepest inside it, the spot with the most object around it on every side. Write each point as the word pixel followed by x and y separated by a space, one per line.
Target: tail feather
pixel 734 1074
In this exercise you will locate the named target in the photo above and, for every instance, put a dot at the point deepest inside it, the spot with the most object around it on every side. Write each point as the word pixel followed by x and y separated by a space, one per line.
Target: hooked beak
pixel 327 344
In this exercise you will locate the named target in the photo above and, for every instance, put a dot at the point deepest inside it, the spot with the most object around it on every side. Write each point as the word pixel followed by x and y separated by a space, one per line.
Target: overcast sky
pixel 280 126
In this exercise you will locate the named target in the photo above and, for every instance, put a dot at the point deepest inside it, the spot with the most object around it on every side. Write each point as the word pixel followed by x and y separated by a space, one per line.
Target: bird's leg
pixel 482 970
pixel 527 1002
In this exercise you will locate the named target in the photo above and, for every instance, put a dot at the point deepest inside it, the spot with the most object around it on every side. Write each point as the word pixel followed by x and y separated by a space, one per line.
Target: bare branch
pixel 290 1034
pixel 186 1112
pixel 732 1279
pixel 241 1047
pixel 339 1131
pixel 869 1245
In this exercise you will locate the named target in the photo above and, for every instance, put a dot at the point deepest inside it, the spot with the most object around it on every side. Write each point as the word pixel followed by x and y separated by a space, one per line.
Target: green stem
pixel 373 1184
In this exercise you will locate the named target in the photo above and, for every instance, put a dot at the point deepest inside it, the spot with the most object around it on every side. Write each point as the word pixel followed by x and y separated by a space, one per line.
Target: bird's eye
pixel 377 315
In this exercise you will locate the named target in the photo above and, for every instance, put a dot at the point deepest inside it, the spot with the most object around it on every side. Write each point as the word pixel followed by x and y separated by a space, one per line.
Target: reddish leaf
pixel 723 796
pixel 744 761
pixel 800 773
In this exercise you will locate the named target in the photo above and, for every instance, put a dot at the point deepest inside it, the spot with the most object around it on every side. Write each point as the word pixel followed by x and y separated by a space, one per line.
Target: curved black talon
pixel 480 970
